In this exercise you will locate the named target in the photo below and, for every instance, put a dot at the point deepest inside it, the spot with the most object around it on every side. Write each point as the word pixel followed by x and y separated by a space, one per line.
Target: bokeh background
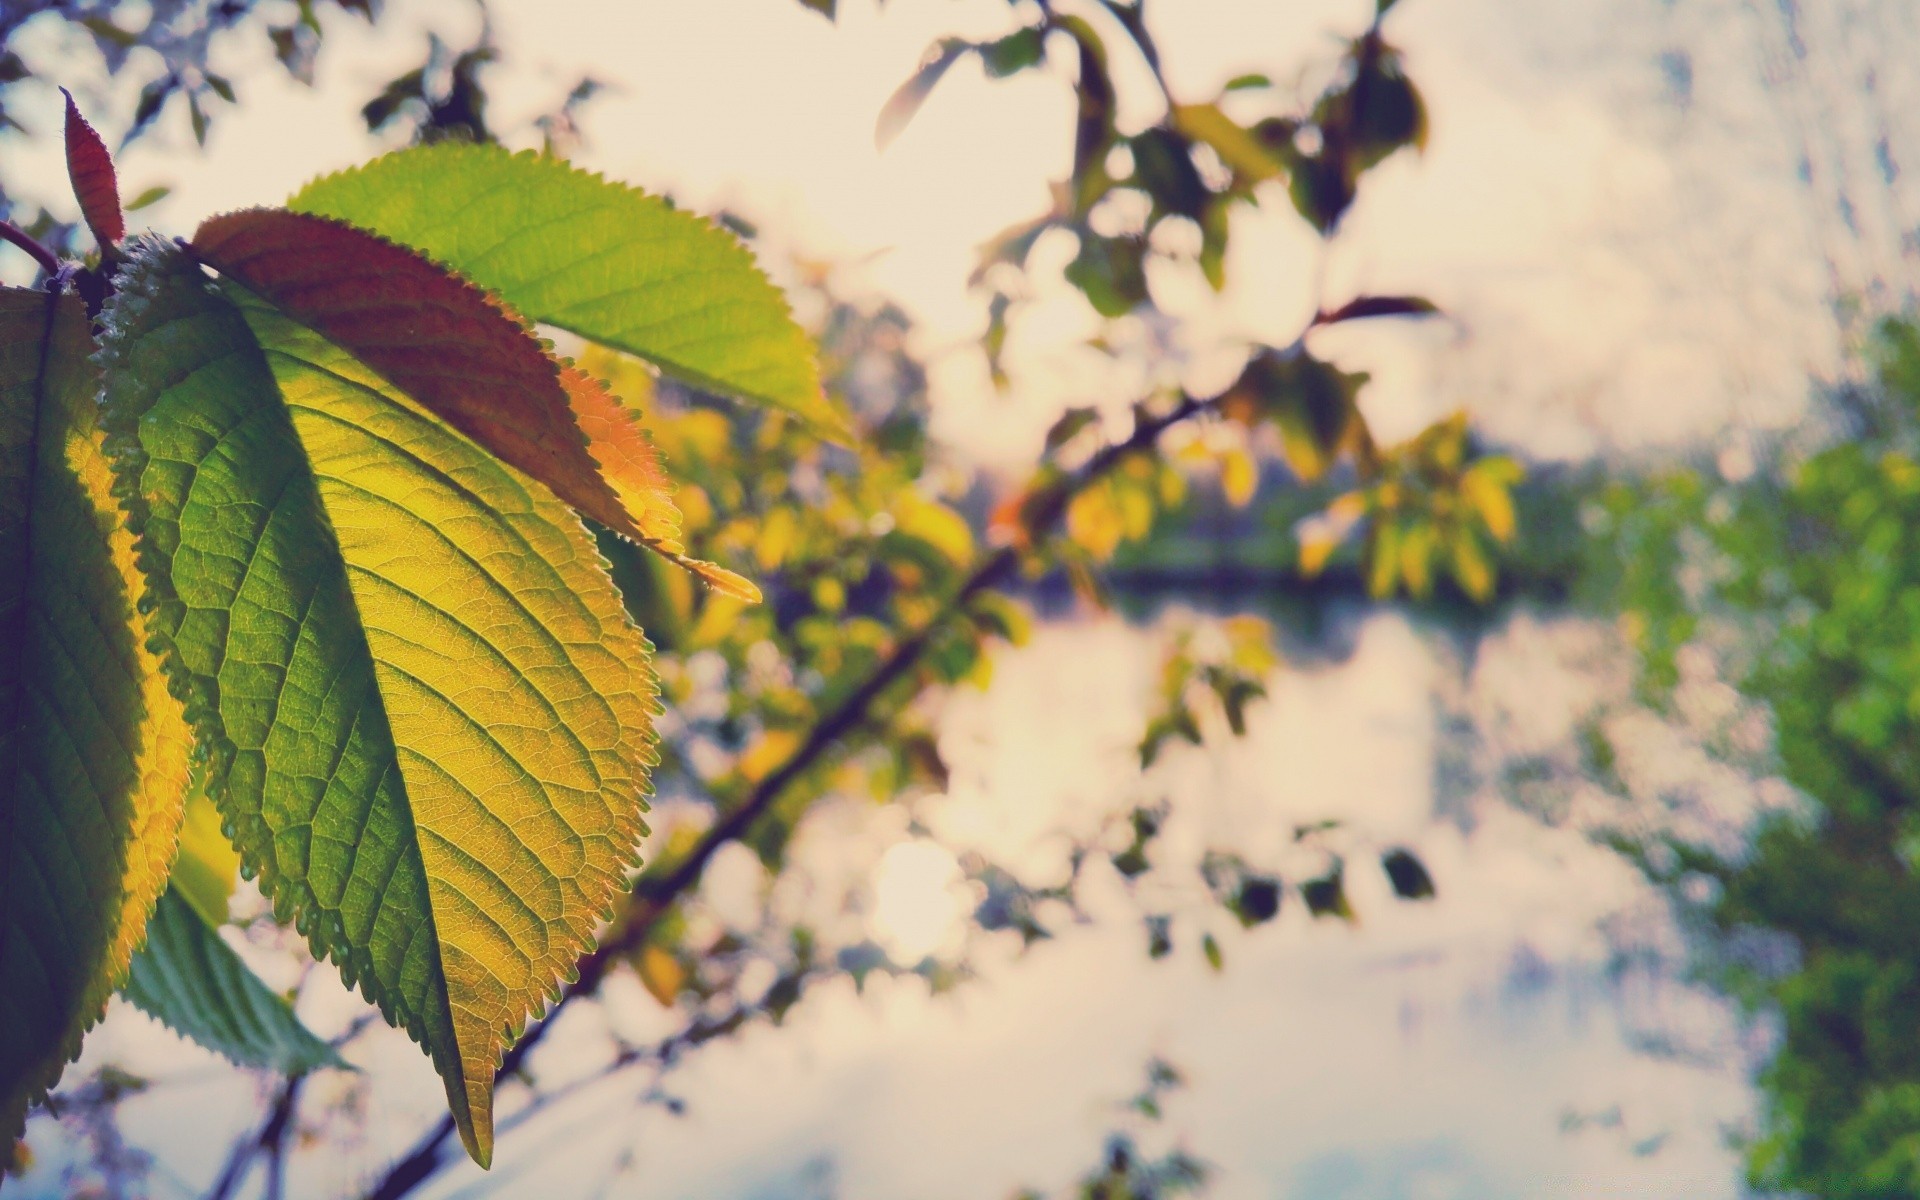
pixel 1661 235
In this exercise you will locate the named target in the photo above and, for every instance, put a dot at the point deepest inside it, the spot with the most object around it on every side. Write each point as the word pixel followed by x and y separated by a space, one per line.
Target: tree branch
pixel 49 262
pixel 271 1140
pixel 654 894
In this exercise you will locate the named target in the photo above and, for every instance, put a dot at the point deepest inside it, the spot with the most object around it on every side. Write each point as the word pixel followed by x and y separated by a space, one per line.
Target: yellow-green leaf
pixel 426 716
pixel 93 752
pixel 601 259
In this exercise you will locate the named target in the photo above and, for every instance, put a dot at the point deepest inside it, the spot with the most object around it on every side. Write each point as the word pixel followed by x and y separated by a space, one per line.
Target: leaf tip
pixel 90 169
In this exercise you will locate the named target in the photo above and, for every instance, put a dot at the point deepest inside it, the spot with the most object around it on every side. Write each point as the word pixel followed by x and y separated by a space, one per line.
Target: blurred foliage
pixel 1124 1171
pixel 1805 581
pixel 172 47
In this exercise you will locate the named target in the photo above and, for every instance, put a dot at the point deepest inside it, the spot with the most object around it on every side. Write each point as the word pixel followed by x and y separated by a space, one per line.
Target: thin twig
pixel 48 260
pixel 271 1140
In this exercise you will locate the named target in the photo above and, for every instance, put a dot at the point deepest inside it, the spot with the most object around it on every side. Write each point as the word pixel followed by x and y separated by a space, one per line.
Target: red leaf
pixel 1378 306
pixel 631 465
pixel 90 168
pixel 463 354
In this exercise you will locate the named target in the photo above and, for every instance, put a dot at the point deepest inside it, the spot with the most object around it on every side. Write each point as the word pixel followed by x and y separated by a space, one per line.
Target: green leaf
pixel 191 981
pixel 1014 53
pixel 426 717
pixel 93 751
pixel 150 197
pixel 600 259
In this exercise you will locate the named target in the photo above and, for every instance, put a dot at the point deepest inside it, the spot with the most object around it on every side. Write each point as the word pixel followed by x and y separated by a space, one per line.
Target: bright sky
pixel 1618 275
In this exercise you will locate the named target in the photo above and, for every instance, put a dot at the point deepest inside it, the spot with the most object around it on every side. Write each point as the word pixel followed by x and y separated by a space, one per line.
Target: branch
pixel 271 1140
pixel 49 262
pixel 654 894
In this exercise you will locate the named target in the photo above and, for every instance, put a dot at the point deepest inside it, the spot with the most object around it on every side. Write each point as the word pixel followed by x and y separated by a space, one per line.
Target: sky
pixel 1639 228
pixel 1613 215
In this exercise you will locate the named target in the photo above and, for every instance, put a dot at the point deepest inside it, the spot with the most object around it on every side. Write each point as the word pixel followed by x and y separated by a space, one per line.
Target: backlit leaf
pixel 609 262
pixel 204 871
pixel 427 719
pixel 90 168
pixel 93 752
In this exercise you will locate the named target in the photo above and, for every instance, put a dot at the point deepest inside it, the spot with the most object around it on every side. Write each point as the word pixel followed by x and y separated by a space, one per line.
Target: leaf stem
pixel 49 262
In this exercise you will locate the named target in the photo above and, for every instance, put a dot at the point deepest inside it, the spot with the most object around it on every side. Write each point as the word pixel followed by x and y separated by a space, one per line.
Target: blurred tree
pixel 1802 581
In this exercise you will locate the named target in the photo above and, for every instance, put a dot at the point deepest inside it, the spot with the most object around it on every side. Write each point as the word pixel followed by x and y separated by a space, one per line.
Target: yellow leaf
pixel 208 863
pixel 935 524
pixel 1471 570
pixel 775 747
pixel 777 534
pixel 1383 564
pixel 1416 557
pixel 1095 522
pixel 1239 477
pixel 1491 499
pixel 661 974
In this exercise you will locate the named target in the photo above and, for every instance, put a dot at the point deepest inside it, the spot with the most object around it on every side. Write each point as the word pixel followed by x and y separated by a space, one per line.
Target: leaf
pixel 1094 126
pixel 1407 874
pixel 204 872
pixel 191 981
pixel 1485 487
pixel 1362 307
pixel 1014 53
pixel 149 197
pixel 600 259
pixel 93 751
pixel 899 110
pixel 1257 901
pixel 1236 147
pixel 1069 426
pixel 1327 895
pixel 426 718
pixel 90 168
pixel 1310 401
pixel 1470 566
pixel 661 974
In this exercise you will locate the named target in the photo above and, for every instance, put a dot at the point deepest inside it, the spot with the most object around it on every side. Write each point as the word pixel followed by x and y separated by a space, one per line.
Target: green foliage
pixel 185 976
pixel 1816 574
